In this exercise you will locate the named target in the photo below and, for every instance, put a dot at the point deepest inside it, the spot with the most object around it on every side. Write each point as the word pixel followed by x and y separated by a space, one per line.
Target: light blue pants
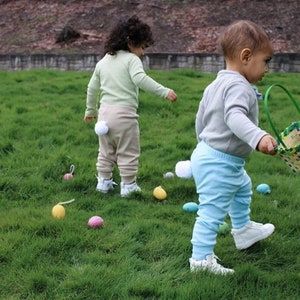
pixel 224 188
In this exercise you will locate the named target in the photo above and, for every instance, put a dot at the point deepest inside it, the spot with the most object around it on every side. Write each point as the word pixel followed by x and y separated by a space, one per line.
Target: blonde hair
pixel 240 35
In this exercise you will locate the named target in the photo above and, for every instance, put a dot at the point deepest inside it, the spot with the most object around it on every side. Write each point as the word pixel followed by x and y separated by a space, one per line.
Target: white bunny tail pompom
pixel 101 128
pixel 183 169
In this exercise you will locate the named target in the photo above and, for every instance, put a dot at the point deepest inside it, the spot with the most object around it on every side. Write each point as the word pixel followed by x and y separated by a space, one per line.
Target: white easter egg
pixel 183 169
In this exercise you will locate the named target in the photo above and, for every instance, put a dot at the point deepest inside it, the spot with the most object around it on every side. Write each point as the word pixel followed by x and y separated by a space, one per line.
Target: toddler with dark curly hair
pixel 118 76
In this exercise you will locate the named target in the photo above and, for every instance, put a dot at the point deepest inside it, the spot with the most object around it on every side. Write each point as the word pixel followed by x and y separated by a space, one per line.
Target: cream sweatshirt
pixel 118 79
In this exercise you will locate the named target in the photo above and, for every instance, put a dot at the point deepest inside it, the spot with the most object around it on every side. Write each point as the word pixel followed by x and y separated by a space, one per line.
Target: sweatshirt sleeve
pixel 198 124
pixel 143 81
pixel 93 90
pixel 241 116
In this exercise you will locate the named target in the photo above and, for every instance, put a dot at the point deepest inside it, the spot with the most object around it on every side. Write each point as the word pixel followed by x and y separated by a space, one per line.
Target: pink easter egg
pixel 95 222
pixel 68 176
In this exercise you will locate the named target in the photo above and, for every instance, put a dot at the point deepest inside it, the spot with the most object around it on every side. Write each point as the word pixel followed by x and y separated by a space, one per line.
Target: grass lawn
pixel 142 250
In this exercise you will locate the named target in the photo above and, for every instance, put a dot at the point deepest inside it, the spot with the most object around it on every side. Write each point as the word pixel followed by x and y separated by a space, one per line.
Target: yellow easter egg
pixel 58 211
pixel 159 193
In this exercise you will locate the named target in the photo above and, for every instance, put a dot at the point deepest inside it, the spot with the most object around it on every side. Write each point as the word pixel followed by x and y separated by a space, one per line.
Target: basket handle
pixel 266 99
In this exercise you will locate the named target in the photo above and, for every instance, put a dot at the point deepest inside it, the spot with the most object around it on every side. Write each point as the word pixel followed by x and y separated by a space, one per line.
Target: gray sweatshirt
pixel 227 118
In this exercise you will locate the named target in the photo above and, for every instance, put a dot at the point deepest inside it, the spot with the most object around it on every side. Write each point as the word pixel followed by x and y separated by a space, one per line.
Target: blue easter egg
pixel 263 189
pixel 190 207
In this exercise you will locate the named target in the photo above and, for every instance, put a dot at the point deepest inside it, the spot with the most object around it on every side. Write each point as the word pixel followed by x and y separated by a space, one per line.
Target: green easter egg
pixel 223 228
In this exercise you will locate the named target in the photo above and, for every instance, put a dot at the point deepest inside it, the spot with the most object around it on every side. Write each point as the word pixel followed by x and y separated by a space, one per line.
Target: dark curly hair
pixel 131 31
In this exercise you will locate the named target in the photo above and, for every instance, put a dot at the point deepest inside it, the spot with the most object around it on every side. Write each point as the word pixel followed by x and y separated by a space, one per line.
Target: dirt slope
pixel 33 26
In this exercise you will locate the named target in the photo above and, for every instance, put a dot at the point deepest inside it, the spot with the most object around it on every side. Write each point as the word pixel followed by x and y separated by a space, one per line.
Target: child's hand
pixel 88 119
pixel 267 145
pixel 172 96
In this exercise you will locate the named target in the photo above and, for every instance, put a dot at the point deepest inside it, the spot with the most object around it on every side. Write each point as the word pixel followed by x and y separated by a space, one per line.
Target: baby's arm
pixel 267 145
pixel 89 119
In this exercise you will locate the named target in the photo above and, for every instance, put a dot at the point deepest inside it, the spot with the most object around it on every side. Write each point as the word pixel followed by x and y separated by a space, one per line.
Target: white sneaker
pixel 105 185
pixel 126 189
pixel 250 234
pixel 209 264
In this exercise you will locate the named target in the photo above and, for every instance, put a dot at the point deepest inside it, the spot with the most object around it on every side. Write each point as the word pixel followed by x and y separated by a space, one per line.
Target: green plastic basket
pixel 289 139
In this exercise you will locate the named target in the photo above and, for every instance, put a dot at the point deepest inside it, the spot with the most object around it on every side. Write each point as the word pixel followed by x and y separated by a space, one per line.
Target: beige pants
pixel 121 145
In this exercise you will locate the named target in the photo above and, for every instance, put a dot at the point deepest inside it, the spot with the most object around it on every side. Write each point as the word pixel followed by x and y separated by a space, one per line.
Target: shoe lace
pixel 216 266
pixel 255 224
pixel 110 182
pixel 214 260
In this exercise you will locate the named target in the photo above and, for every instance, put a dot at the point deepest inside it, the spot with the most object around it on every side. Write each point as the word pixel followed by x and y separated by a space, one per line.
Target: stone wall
pixel 212 63
pixel 204 62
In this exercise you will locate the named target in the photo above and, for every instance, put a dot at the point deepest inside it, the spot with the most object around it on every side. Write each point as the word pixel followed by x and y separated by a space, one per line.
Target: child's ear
pixel 245 55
